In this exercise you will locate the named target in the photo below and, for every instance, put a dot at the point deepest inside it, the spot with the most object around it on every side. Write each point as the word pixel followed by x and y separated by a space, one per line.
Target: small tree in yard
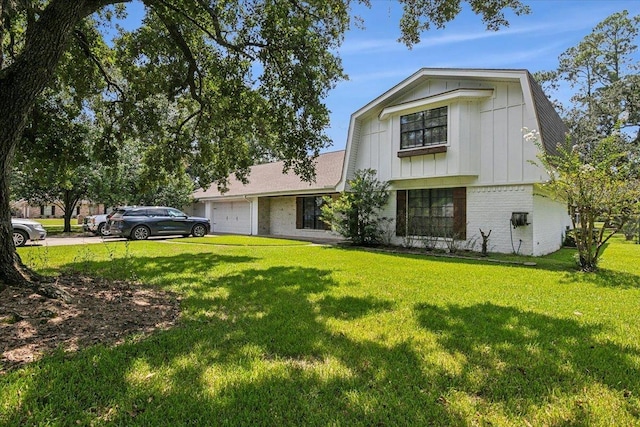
pixel 598 184
pixel 356 214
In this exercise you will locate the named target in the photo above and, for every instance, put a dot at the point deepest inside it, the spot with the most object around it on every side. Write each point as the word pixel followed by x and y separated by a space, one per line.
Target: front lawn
pixel 56 225
pixel 300 334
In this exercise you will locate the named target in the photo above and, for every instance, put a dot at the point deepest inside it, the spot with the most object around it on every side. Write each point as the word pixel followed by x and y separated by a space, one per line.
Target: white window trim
pixel 434 101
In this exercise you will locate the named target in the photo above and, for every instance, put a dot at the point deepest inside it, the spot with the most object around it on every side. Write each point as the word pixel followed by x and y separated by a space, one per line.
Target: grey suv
pixel 140 222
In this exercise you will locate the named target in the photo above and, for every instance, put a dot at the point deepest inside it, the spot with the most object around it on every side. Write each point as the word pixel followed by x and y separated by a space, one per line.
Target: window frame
pixel 423 123
pixel 306 220
pixel 430 212
pixel 459 212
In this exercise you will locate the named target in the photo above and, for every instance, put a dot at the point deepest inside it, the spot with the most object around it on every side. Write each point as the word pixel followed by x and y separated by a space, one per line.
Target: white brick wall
pixel 551 224
pixel 282 216
pixel 490 208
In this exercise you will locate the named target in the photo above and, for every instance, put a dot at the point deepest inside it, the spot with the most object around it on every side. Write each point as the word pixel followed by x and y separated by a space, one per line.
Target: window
pixel 309 212
pixel 53 210
pixel 155 212
pixel 176 213
pixel 423 129
pixel 432 212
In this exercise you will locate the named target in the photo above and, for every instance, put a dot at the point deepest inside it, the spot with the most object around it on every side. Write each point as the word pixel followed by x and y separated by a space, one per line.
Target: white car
pixel 25 230
pixel 97 224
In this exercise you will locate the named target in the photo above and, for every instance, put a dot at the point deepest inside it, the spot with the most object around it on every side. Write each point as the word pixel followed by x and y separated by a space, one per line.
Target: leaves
pixel 420 15
pixel 600 185
pixel 603 72
pixel 356 213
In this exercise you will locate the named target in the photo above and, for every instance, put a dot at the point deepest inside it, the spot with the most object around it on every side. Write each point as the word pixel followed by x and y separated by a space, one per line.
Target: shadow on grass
pixel 266 351
pixel 561 260
pixel 605 278
pixel 183 268
pixel 515 357
pixel 258 355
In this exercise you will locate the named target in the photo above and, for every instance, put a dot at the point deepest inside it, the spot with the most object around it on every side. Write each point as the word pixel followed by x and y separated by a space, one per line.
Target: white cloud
pixel 386 45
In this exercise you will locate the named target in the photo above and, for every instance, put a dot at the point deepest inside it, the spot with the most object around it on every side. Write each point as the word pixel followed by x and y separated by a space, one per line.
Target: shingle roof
pixel 552 130
pixel 268 179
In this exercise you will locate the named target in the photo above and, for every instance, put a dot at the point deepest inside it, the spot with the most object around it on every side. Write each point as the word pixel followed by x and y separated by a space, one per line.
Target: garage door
pixel 231 217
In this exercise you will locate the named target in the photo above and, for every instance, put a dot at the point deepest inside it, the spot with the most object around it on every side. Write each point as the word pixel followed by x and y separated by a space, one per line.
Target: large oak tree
pixel 230 75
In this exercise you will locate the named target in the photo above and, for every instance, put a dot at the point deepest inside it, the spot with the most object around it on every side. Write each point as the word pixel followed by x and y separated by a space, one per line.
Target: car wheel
pixel 19 238
pixel 140 232
pixel 199 230
pixel 100 230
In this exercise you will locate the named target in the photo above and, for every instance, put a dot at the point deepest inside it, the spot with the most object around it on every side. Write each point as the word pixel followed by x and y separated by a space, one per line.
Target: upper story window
pixel 424 128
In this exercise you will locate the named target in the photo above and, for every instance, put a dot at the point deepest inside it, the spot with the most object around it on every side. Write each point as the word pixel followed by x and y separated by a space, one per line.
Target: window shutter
pixel 460 213
pixel 401 213
pixel 299 202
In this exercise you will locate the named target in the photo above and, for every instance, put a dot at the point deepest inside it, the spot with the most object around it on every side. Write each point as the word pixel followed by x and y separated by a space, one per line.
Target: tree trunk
pixel 68 210
pixel 20 85
pixel 71 200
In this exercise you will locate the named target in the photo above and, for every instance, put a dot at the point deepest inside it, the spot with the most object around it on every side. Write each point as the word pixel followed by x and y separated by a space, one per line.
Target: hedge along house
pixel 450 143
pixel 273 203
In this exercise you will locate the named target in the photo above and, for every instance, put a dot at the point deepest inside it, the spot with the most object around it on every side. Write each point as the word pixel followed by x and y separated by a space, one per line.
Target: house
pixel 273 203
pixel 450 143
pixel 22 209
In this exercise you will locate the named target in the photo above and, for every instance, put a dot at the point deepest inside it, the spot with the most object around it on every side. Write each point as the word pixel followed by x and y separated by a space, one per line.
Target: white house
pixel 449 142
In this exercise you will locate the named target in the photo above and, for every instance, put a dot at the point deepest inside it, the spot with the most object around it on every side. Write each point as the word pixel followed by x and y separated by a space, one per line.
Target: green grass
pixel 311 335
pixel 56 225
pixel 234 240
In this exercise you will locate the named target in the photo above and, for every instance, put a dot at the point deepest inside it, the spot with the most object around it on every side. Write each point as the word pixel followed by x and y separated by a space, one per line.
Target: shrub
pixel 356 214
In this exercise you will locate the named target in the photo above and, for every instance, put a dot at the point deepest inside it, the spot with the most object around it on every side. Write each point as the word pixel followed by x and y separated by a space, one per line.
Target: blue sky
pixel 375 61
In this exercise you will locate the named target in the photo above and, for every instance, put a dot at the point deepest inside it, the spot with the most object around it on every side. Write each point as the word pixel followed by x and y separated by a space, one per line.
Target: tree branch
pixel 220 39
pixel 86 49
pixel 193 73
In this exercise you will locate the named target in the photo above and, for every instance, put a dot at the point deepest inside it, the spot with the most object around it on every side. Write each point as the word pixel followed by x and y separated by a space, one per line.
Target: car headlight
pixel 38 227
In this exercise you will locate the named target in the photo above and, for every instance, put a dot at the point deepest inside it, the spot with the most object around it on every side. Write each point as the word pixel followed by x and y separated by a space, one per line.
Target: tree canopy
pixel 603 73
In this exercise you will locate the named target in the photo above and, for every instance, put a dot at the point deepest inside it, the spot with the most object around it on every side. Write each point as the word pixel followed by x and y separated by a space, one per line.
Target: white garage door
pixel 231 217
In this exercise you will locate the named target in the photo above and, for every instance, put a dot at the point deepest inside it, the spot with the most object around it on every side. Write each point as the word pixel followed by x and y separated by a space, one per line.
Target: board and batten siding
pixel 485 138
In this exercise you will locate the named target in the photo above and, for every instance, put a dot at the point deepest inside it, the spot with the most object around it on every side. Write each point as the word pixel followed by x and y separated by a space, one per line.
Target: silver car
pixel 26 229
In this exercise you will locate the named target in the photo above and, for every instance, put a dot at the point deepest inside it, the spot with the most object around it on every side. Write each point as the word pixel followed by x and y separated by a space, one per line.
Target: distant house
pixel 449 142
pixel 22 209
